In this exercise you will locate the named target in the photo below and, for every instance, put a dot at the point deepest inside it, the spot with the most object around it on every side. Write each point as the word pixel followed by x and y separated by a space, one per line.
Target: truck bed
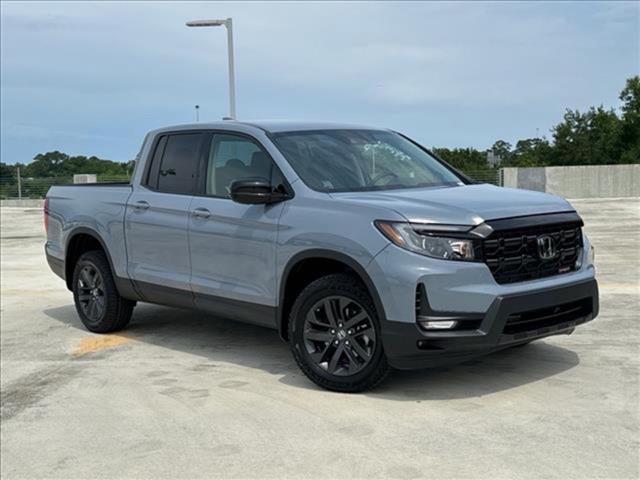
pixel 98 184
pixel 96 207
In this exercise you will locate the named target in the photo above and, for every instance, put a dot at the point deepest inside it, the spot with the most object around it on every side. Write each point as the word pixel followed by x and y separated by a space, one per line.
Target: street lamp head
pixel 206 23
pixel 228 23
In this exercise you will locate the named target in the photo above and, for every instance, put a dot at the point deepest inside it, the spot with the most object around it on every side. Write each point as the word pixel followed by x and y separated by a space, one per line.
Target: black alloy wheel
pixel 91 296
pixel 339 335
pixel 98 302
pixel 334 334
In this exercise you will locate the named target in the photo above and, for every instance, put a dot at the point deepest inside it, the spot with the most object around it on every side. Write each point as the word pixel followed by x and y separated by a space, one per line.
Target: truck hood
pixel 460 205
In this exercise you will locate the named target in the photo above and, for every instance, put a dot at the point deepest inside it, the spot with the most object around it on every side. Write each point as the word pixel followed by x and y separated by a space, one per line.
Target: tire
pixel 98 303
pixel 334 335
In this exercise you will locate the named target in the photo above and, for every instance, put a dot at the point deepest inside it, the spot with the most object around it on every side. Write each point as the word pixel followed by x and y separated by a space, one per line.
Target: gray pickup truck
pixel 363 249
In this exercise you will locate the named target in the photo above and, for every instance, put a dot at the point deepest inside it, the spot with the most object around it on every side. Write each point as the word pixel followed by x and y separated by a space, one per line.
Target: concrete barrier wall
pixel 589 181
pixel 23 203
pixel 533 178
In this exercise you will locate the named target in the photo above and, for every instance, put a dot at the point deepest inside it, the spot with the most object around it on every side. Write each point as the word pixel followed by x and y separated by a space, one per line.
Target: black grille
pixel 512 255
pixel 549 317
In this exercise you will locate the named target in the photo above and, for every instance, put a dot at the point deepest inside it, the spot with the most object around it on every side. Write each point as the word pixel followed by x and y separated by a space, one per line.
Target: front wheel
pixel 334 334
pixel 98 303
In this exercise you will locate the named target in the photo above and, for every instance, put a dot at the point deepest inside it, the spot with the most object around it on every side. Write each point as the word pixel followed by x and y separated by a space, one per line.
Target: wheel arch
pixel 336 261
pixel 84 239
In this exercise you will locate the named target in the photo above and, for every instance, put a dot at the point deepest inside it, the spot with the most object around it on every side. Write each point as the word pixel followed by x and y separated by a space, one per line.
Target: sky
pixel 91 78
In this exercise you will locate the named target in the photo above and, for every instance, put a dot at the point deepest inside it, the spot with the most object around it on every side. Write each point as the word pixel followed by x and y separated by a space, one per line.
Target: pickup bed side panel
pixel 98 210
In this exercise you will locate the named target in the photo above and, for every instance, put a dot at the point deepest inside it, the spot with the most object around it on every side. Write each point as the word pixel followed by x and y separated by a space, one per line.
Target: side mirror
pixel 255 191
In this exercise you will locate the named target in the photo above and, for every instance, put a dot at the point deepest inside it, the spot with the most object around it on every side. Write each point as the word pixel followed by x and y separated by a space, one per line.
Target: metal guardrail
pixel 37 187
pixel 29 187
pixel 486 176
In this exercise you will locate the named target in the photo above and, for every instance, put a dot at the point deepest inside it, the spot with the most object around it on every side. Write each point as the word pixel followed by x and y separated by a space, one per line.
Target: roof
pixel 271 126
pixel 290 125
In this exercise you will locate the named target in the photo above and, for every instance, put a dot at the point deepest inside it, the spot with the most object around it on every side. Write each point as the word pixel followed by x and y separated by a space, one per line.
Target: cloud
pixel 456 73
pixel 34 132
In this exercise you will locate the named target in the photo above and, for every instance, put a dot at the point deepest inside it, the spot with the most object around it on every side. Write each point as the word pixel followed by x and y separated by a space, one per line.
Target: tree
pixel 465 159
pixel 7 171
pixel 587 138
pixel 502 149
pixel 56 164
pixel 532 152
pixel 47 165
pixel 630 122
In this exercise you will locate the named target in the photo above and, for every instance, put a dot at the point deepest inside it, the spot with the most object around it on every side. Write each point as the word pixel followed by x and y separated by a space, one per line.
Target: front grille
pixel 549 317
pixel 512 255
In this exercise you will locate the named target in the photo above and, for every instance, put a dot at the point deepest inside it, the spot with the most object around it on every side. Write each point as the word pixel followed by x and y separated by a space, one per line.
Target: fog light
pixel 439 324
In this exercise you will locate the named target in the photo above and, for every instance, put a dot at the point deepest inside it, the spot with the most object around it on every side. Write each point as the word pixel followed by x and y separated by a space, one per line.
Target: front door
pixel 233 246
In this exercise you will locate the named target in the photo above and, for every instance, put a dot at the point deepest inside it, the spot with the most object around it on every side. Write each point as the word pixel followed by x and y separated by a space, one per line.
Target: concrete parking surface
pixel 183 395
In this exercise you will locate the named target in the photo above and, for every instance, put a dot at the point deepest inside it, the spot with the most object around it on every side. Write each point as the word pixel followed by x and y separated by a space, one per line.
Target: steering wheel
pixel 377 178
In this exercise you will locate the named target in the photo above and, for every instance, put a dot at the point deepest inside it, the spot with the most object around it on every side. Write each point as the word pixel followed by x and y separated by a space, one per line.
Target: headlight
pixel 436 246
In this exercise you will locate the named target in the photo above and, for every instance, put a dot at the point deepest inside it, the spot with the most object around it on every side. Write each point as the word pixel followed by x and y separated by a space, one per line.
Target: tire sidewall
pixel 306 300
pixel 84 261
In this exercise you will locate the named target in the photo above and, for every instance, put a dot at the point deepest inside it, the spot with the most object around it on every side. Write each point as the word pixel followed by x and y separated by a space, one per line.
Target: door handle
pixel 201 213
pixel 141 205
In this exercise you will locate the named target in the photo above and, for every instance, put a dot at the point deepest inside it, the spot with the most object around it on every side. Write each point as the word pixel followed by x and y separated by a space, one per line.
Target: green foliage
pixel 465 159
pixel 53 164
pixel 595 137
pixel 630 124
pixel 587 138
pixel 7 170
pixel 530 152
pixel 56 168
pixel 58 164
pixel 502 149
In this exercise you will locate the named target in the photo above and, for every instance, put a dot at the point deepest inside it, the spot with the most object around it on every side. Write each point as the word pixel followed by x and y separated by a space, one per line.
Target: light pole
pixel 197 113
pixel 232 77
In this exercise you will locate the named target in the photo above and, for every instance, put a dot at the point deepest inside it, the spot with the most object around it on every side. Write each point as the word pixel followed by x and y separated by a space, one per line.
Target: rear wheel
pixel 334 334
pixel 98 303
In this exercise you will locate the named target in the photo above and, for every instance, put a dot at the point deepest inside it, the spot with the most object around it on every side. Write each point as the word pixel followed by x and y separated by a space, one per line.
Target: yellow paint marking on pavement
pixel 95 344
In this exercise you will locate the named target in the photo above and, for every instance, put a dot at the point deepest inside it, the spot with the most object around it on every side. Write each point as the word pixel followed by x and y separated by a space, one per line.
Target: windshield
pixel 357 160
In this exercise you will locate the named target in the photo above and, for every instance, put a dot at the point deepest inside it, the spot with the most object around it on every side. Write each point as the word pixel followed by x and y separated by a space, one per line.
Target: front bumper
pixel 409 347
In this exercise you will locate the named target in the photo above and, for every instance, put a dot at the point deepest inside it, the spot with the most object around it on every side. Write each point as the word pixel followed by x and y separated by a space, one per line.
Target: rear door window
pixel 177 171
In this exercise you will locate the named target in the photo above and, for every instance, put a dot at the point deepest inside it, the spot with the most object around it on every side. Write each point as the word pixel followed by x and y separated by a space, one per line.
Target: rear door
pixel 233 246
pixel 157 219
